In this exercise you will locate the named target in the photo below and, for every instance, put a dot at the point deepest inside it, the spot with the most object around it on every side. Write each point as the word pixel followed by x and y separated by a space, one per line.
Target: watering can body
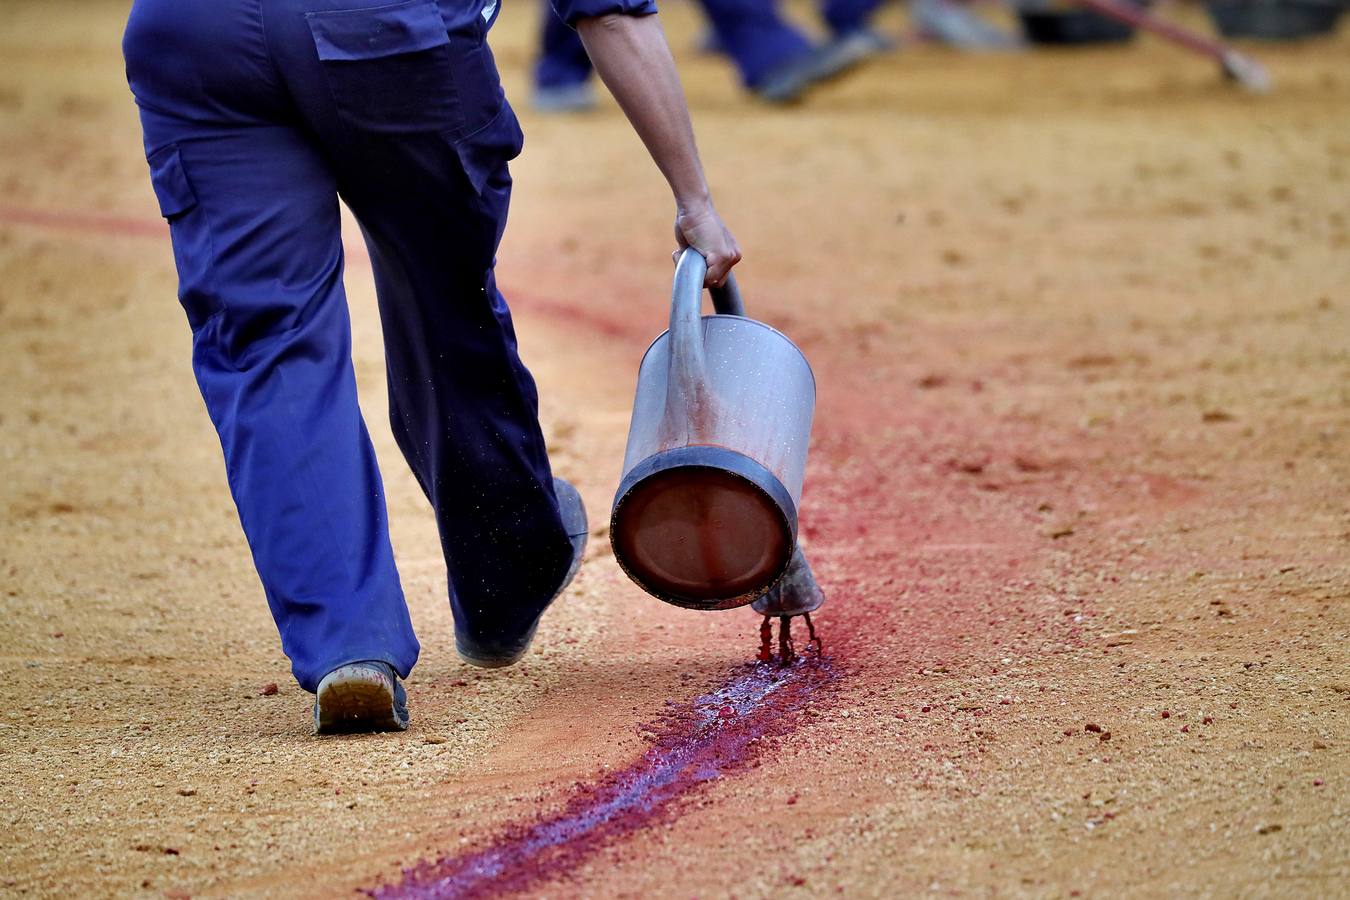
pixel 706 512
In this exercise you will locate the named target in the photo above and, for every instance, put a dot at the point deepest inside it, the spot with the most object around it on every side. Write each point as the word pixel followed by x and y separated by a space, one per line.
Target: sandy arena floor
pixel 1080 493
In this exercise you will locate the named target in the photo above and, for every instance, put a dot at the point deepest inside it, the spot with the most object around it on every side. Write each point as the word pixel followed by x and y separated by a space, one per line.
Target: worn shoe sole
pixel 358 698
pixel 571 98
pixel 496 662
pixel 578 531
pixel 789 82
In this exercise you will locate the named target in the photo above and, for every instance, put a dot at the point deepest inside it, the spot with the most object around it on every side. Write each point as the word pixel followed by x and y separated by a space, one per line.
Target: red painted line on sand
pixel 115 225
pixel 699 741
pixel 579 314
pixel 104 224
pixel 717 734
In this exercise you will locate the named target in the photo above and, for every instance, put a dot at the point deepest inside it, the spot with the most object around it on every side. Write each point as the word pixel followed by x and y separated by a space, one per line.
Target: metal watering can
pixel 706 512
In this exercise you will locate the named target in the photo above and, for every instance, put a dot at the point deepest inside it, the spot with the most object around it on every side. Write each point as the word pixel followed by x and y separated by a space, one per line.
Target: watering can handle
pixel 690 271
pixel 688 397
pixel 727 298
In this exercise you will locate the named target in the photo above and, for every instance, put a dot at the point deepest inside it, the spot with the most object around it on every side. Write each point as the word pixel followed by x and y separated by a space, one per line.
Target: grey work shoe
pixel 787 82
pixel 850 48
pixel 957 25
pixel 507 652
pixel 567 98
pixel 360 696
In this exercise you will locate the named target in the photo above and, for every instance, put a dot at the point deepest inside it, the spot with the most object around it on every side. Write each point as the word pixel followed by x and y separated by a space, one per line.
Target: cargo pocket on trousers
pixel 483 157
pixel 192 248
pixel 397 69
pixel 485 153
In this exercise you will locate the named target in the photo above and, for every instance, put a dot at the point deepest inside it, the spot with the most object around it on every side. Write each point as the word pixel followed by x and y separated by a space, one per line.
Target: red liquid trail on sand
pixel 704 739
pixel 762 701
pixel 99 223
pixel 849 511
pixel 121 225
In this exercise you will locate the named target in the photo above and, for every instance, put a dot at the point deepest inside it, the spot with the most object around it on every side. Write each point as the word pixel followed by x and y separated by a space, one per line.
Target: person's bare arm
pixel 633 59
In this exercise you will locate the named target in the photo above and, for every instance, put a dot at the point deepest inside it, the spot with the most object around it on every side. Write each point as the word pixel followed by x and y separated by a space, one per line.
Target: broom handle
pixel 1126 12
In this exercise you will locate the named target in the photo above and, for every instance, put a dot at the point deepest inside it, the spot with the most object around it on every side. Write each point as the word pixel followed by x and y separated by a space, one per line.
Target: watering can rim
pixel 725 461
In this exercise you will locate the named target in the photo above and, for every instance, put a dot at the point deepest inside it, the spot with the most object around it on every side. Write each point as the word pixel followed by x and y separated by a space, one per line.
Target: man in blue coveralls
pixel 258 115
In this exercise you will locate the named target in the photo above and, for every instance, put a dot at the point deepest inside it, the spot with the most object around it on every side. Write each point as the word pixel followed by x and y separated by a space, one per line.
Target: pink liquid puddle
pixel 699 741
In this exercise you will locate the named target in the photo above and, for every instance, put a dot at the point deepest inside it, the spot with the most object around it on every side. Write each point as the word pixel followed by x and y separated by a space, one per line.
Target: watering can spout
pixel 796 594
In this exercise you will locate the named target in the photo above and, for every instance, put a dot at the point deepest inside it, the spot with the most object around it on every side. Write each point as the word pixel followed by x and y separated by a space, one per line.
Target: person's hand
pixel 699 226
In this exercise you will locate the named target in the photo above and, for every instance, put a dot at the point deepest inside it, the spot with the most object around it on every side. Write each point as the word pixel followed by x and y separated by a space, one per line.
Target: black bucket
pixel 1072 26
pixel 1274 20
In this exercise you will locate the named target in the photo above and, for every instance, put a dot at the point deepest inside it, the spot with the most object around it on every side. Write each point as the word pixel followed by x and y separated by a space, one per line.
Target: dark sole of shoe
pixel 356 705
pixel 494 662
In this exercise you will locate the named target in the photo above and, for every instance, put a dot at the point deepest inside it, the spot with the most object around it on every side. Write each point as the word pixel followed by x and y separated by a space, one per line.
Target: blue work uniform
pixel 751 32
pixel 258 115
pixel 845 16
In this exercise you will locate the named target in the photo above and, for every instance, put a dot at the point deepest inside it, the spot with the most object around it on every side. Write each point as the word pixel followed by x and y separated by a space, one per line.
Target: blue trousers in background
pixel 751 32
pixel 844 16
pixel 258 115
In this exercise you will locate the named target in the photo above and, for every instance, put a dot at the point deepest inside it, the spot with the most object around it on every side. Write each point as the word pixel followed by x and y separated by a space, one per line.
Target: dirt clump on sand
pixel 1078 492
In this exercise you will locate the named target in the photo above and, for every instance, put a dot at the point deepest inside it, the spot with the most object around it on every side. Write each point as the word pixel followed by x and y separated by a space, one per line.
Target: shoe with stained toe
pixel 360 696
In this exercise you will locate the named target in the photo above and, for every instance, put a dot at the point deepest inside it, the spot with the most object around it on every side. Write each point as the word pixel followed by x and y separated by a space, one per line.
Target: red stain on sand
pixel 114 225
pixel 874 543
pixel 863 539
pixel 700 741
pixel 867 539
pixel 578 314
pixel 106 224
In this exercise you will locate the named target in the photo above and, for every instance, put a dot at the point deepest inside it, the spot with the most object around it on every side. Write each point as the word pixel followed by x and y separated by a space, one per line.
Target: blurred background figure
pixel 957 24
pixel 951 22
pixel 853 39
pixel 776 62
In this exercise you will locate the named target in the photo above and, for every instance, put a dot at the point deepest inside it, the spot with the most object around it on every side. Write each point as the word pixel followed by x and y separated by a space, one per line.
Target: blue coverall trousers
pixel 751 32
pixel 844 16
pixel 258 115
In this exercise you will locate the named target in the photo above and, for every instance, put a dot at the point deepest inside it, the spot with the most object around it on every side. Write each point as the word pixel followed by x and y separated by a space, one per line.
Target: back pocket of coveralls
pixel 192 249
pixel 398 69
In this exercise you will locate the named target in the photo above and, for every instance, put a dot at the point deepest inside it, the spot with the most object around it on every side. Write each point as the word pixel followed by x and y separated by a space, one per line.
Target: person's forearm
pixel 631 55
